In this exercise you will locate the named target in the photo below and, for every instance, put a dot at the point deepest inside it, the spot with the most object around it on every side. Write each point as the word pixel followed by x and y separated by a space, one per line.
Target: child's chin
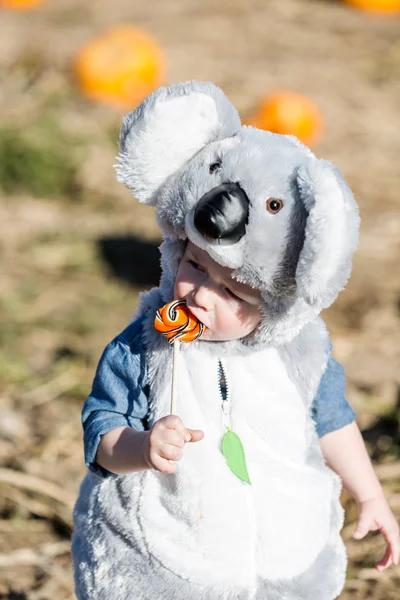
pixel 212 336
pixel 209 336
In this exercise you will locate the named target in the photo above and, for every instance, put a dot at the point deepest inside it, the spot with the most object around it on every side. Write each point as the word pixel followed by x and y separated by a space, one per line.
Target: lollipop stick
pixel 175 321
pixel 175 368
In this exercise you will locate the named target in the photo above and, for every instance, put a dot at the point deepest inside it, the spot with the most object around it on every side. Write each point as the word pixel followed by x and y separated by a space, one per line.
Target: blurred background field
pixel 75 248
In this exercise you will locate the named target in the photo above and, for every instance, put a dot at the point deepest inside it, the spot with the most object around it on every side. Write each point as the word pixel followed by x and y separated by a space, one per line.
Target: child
pixel 160 514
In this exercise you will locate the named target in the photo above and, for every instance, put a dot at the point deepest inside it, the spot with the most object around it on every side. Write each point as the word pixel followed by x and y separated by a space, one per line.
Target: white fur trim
pixel 157 533
pixel 160 143
pixel 225 255
pixel 327 239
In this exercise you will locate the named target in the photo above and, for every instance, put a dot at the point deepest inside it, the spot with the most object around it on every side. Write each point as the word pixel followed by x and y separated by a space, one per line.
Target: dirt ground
pixel 67 286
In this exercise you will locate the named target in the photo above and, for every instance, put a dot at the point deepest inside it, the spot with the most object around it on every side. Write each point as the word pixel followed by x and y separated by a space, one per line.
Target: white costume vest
pixel 202 533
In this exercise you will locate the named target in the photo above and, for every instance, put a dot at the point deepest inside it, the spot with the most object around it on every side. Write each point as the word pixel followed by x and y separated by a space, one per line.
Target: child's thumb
pixel 195 435
pixel 361 530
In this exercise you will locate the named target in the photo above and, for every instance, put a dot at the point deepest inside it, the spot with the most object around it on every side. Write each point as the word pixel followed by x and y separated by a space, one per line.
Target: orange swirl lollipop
pixel 176 322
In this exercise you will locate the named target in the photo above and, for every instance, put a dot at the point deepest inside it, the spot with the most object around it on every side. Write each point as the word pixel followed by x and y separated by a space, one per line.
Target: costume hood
pixel 257 202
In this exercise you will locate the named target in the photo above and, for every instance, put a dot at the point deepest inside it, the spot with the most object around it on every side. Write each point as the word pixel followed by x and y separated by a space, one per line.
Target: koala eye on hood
pixel 215 167
pixel 274 205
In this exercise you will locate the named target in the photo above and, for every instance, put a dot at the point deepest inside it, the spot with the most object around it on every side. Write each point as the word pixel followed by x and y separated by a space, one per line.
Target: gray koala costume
pixel 202 533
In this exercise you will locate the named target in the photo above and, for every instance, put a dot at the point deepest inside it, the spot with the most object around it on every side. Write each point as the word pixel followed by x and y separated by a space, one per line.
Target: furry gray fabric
pixel 180 144
pixel 109 531
pixel 299 258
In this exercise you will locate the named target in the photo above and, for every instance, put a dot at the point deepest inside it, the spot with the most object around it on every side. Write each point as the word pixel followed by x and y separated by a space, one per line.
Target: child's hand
pixel 374 515
pixel 164 443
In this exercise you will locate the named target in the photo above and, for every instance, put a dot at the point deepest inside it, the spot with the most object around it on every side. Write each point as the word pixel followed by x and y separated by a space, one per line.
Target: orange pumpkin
pixel 288 113
pixel 20 4
pixel 379 6
pixel 120 67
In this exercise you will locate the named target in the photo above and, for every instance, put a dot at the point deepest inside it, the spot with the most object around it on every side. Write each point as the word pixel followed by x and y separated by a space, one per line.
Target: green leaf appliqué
pixel 232 449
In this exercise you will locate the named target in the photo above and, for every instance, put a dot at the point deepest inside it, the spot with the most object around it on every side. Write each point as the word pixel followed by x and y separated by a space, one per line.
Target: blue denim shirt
pixel 119 395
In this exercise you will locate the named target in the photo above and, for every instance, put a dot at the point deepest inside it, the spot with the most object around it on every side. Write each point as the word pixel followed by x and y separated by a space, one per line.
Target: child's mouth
pixel 196 313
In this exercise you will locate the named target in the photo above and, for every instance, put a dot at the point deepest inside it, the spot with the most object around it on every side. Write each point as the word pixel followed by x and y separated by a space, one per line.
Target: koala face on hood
pixel 257 202
pixel 238 200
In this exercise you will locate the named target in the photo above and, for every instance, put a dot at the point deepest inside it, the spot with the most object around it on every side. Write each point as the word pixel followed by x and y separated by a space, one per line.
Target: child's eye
pixel 195 265
pixel 233 295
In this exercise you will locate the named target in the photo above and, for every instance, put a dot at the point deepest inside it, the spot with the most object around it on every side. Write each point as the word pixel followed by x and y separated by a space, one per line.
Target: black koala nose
pixel 222 214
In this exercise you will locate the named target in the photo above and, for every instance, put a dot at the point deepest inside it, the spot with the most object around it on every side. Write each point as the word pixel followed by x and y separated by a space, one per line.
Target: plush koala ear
pixel 331 234
pixel 167 129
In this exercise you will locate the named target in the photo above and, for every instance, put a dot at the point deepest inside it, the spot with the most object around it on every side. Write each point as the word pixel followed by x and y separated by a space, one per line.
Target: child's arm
pixel 345 453
pixel 125 450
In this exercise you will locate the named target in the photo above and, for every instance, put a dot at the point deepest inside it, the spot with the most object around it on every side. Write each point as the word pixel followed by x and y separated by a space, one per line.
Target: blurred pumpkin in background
pixel 381 6
pixel 20 4
pixel 120 67
pixel 288 113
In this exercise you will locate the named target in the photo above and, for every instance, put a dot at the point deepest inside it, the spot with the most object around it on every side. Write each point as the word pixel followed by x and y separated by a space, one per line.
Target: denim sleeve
pixel 119 394
pixel 330 409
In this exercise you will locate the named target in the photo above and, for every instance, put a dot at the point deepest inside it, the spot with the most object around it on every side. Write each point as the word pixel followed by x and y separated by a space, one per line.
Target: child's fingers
pixel 175 423
pixel 391 536
pixel 395 553
pixel 170 452
pixel 385 561
pixel 164 465
pixel 171 436
pixel 195 435
pixel 363 527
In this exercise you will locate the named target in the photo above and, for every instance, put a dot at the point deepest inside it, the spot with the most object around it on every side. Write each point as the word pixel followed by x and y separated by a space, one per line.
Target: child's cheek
pixel 228 324
pixel 181 287
pixel 178 292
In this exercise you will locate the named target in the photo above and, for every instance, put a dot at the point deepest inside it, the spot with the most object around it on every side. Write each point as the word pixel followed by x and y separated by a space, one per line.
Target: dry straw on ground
pixel 60 303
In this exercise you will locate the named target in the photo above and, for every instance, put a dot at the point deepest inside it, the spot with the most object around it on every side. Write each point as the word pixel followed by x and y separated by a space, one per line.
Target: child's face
pixel 229 310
